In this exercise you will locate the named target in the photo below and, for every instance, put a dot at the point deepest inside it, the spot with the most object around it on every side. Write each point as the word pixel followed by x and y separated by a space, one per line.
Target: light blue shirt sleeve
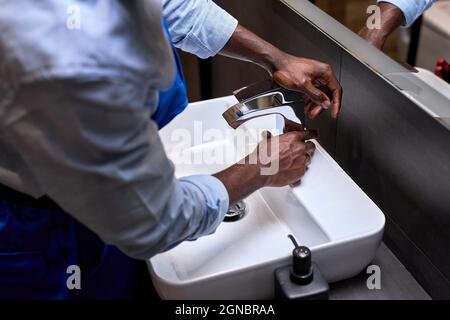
pixel 412 9
pixel 200 27
pixel 91 147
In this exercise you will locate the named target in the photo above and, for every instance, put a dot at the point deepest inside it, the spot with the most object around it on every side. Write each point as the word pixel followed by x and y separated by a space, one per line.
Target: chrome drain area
pixel 236 212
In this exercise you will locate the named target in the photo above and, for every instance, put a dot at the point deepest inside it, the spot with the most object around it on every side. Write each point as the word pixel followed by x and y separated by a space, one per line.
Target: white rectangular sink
pixel 327 212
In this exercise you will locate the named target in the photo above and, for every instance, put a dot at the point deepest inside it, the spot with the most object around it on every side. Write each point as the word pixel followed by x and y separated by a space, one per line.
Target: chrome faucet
pixel 260 99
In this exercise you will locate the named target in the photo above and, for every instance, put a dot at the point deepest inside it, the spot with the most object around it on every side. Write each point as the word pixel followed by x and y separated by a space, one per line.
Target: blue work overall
pixel 39 241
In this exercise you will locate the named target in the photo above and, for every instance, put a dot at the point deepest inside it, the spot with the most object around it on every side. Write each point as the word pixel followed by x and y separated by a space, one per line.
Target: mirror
pixel 422 44
pixel 353 14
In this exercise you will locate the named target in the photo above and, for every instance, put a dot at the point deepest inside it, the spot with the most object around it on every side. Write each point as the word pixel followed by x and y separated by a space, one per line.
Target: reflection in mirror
pixel 425 42
pixel 353 14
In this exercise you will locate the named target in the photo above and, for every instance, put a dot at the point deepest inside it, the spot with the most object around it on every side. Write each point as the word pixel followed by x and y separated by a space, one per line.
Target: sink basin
pixel 327 212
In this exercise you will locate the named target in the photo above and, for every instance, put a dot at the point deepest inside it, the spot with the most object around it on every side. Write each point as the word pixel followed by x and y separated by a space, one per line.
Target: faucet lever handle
pixel 265 87
pixel 255 89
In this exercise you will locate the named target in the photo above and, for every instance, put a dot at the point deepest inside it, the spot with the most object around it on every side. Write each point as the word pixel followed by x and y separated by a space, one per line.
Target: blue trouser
pixel 39 241
pixel 174 100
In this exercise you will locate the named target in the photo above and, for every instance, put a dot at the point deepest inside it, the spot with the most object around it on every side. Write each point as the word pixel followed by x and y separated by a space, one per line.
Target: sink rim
pixel 314 249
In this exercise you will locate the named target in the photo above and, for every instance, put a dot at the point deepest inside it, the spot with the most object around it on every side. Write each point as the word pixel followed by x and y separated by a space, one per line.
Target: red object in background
pixel 447 68
pixel 438 72
pixel 443 69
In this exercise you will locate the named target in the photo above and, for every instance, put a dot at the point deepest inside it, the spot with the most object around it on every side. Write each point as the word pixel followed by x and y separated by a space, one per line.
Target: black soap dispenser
pixel 302 280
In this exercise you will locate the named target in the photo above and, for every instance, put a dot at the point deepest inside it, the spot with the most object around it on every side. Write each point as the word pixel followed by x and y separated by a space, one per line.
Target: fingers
pixel 310 148
pixel 308 106
pixel 306 162
pixel 333 89
pixel 317 80
pixel 336 91
pixel 312 109
pixel 316 95
pixel 315 112
pixel 304 84
pixel 337 101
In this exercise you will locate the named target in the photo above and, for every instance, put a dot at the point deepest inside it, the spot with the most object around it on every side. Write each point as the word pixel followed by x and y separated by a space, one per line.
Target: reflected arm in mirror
pixel 314 78
pixel 391 19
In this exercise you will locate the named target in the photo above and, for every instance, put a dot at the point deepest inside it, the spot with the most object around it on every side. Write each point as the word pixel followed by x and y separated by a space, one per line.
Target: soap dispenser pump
pixel 302 280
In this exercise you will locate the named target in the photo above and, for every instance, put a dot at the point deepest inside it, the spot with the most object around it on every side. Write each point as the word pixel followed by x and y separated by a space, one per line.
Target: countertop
pixel 396 282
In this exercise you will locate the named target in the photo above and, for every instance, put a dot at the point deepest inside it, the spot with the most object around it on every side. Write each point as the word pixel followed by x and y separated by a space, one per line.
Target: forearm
pixel 241 180
pixel 245 45
pixel 391 18
pixel 411 10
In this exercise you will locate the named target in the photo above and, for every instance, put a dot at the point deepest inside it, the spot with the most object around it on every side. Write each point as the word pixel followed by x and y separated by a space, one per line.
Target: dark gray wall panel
pixel 400 156
pixel 279 25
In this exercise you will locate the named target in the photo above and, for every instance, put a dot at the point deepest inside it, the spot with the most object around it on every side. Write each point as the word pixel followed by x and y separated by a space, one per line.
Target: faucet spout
pixel 260 99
